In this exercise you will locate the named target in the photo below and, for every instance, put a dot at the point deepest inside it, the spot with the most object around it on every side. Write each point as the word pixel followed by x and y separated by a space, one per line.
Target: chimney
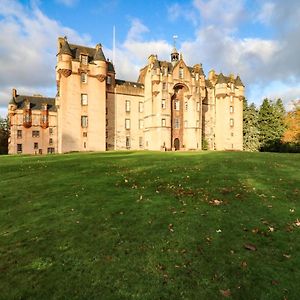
pixel 14 93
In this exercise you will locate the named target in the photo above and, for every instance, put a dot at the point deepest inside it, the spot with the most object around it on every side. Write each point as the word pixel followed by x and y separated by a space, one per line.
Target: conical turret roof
pixel 65 48
pixel 221 79
pixel 238 81
pixel 99 55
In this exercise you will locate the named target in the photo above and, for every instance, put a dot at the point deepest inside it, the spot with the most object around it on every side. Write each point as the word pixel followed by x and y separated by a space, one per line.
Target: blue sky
pixel 257 39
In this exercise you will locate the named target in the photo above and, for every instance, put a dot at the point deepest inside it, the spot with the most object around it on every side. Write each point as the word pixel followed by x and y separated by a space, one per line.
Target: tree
pixel 271 124
pixel 4 135
pixel 292 122
pixel 250 128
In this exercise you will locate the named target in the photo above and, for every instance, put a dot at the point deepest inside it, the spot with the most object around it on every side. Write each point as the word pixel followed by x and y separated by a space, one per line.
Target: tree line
pixel 270 127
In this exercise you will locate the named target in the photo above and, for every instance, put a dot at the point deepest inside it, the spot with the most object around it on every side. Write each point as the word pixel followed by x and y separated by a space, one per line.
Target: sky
pixel 255 39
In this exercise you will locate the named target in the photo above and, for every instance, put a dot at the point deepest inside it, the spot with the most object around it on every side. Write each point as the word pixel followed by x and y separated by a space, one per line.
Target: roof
pixel 238 81
pixel 65 48
pixel 91 53
pixel 99 55
pixel 221 79
pixel 131 83
pixel 35 102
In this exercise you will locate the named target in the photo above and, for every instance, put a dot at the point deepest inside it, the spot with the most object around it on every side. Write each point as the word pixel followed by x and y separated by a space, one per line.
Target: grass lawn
pixel 149 225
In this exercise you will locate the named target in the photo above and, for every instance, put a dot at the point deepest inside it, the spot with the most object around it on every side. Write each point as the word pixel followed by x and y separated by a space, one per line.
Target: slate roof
pixel 238 81
pixel 91 53
pixel 99 55
pixel 35 102
pixel 131 83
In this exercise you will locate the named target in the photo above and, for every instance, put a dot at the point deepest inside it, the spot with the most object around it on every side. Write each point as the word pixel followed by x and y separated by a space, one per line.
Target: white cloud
pixel 176 10
pixel 266 13
pixel 67 2
pixel 222 12
pixel 28 49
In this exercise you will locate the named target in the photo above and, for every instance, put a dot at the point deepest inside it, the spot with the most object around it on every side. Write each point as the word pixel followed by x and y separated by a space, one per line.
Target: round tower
pixel 101 65
pixel 64 61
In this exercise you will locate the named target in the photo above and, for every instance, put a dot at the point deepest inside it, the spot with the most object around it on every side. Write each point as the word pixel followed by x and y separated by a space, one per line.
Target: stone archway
pixel 176 144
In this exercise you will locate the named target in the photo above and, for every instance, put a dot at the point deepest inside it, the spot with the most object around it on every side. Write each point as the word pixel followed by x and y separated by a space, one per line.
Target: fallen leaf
pixel 286 255
pixel 244 264
pixel 250 247
pixel 297 223
pixel 216 202
pixel 225 293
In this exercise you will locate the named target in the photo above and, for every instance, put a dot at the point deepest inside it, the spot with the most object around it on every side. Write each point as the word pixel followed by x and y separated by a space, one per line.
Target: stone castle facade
pixel 172 106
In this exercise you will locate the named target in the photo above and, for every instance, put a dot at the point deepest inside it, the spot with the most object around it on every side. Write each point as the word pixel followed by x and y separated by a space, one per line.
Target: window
pixel 232 134
pixel 27 117
pixel 83 77
pixel 177 123
pixel 84 59
pixel 50 141
pixel 19 134
pixel 84 121
pixel 197 76
pixel 106 134
pixel 84 99
pixel 163 122
pixel 44 118
pixel 84 134
pixel 84 145
pixel 180 72
pixel 50 150
pixel 141 124
pixel 231 122
pixel 164 86
pixel 141 142
pixel 185 124
pixel 197 89
pixel 127 106
pixel 35 133
pixel 127 123
pixel 186 105
pixel 19 148
pixel 198 106
pixel 50 131
pixel 108 79
pixel 141 107
pixel 163 103
pixel 231 99
pixel 176 104
pixel 231 109
pixel 36 145
pixel 127 142
pixel 165 70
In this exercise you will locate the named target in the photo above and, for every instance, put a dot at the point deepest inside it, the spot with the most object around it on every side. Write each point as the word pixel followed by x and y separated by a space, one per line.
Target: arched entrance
pixel 177 144
pixel 177 104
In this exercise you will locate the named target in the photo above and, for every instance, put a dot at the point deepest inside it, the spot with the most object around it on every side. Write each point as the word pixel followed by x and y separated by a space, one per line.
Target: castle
pixel 172 106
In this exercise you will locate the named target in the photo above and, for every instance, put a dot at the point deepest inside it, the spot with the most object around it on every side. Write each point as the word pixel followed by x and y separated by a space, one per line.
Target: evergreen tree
pixel 4 135
pixel 271 124
pixel 250 128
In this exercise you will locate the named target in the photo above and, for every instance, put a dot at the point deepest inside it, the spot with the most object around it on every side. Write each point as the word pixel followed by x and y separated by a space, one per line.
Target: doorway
pixel 177 144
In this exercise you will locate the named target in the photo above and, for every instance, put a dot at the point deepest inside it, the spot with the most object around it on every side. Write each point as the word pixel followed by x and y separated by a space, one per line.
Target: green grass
pixel 143 225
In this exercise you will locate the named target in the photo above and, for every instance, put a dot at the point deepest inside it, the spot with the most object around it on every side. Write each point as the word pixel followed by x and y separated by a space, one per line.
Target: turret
pixel 12 103
pixel 100 61
pixel 64 62
pixel 174 56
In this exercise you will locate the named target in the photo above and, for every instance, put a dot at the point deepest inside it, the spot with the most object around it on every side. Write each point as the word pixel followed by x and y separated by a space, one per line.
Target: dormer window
pixel 180 72
pixel 83 77
pixel 84 59
pixel 27 117
pixel 165 71
pixel 197 76
pixel 108 79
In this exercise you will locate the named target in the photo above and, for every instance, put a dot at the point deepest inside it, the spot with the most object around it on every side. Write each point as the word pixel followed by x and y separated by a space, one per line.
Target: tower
pixel 81 97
